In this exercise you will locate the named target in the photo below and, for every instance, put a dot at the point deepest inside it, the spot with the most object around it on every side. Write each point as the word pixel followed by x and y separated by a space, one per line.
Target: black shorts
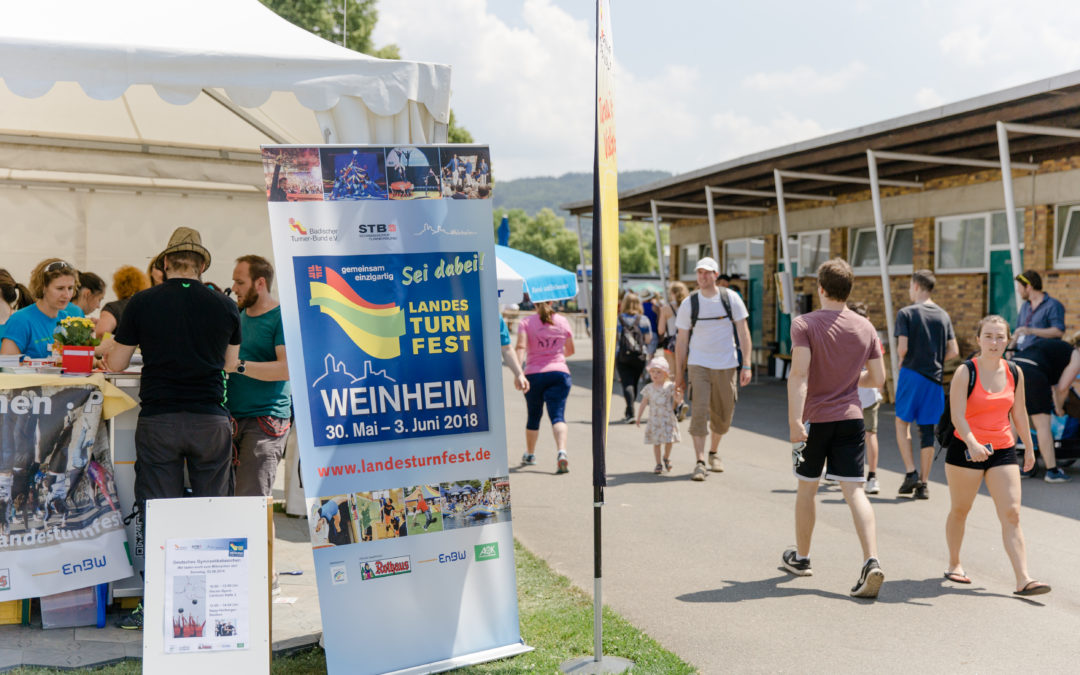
pixel 1038 391
pixel 955 455
pixel 839 446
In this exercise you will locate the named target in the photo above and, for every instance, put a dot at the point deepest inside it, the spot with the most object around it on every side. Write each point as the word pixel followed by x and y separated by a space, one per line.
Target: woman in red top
pixel 984 447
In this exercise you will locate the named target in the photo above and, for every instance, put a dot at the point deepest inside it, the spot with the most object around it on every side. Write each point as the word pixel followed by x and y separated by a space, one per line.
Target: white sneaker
pixel 872 486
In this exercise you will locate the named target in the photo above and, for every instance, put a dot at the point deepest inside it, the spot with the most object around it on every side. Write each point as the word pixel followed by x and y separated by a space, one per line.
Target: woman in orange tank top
pixel 984 447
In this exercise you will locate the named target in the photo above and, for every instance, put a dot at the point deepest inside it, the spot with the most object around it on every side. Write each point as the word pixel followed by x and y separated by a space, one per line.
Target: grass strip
pixel 556 619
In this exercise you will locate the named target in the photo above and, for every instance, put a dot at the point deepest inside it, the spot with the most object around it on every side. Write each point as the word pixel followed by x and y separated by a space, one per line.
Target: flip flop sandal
pixel 957 578
pixel 659 469
pixel 1033 588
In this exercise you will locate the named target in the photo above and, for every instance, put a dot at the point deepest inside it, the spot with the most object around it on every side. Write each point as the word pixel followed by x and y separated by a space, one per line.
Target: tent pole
pixel 789 302
pixel 659 246
pixel 712 225
pixel 1010 205
pixel 886 288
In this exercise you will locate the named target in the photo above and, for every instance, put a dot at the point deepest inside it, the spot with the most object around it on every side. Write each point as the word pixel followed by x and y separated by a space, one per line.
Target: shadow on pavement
pixel 905 591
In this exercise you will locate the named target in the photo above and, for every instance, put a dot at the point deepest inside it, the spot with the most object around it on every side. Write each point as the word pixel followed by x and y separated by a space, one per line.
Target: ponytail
pixel 14 293
pixel 545 311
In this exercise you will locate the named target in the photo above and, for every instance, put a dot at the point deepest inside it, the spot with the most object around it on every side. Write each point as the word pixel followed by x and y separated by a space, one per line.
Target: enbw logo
pixel 453 556
pixel 84 566
pixel 487 551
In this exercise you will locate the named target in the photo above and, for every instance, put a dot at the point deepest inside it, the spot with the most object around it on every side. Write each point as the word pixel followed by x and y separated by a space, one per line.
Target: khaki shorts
pixel 869 417
pixel 714 394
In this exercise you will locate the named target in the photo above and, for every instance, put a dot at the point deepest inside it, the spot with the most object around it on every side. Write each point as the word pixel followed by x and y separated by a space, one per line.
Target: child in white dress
pixel 662 427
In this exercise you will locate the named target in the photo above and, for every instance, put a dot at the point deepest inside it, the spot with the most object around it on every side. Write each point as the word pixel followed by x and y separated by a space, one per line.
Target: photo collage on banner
pixel 386 269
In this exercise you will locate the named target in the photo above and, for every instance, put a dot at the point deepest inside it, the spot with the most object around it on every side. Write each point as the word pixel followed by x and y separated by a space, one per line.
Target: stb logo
pixel 5 579
pixel 377 228
pixel 486 551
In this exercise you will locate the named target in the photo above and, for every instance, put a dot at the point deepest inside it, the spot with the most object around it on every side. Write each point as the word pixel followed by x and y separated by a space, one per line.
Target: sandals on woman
pixel 659 469
pixel 957 577
pixel 1033 588
pixel 667 465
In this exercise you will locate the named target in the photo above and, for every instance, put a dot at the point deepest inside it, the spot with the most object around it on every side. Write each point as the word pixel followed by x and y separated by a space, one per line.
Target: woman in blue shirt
pixel 29 331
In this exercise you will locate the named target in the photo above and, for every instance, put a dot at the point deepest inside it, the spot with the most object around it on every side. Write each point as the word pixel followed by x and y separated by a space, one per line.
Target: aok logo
pixel 487 551
pixel 5 579
pixel 84 566
pixel 376 228
pixel 453 556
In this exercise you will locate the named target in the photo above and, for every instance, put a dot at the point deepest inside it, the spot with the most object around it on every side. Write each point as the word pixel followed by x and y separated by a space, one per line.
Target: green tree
pixel 637 248
pixel 457 134
pixel 543 235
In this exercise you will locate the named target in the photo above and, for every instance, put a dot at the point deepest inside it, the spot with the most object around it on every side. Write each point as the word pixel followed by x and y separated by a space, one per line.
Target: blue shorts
pixel 551 388
pixel 918 398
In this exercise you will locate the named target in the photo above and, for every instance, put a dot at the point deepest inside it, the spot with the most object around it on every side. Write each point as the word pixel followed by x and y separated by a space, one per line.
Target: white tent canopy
pixel 121 119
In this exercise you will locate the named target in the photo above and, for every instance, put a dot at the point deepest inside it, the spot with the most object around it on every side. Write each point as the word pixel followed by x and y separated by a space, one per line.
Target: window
pixel 1068 234
pixel 740 254
pixel 689 255
pixel 962 244
pixel 813 250
pixel 864 250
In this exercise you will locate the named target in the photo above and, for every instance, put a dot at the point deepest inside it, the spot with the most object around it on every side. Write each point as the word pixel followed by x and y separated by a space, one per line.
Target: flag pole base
pixel 589 665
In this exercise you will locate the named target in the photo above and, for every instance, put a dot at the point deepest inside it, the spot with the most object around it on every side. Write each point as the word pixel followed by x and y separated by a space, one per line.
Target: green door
pixel 756 283
pixel 1002 296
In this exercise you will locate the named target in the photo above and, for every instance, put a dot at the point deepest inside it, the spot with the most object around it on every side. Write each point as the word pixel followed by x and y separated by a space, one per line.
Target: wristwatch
pixel 240 368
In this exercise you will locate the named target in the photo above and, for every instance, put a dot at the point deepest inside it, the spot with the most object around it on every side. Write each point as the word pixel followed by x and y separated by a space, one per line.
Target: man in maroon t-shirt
pixel 830 348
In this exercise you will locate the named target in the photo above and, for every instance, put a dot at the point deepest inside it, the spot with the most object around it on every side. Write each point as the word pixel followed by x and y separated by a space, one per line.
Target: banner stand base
pixel 590 666
pixel 467 660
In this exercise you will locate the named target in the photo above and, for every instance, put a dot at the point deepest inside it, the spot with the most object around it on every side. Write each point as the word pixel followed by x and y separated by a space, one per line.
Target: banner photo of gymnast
pixel 61 527
pixel 390 307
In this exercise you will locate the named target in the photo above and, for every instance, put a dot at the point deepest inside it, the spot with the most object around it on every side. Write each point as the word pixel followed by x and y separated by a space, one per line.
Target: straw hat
pixel 186 239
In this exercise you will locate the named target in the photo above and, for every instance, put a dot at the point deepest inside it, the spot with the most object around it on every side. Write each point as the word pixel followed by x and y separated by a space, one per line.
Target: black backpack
pixel 945 429
pixel 695 307
pixel 632 348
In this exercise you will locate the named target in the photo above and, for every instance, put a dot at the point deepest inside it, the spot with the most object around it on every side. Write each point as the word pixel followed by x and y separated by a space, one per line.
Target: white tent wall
pixel 99 231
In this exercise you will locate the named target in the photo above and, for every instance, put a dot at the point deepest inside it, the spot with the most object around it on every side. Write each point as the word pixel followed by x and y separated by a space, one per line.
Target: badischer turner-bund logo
pixel 387 567
pixel 299 232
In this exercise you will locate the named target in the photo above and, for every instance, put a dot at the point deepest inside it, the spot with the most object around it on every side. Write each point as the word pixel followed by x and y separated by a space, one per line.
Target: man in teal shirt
pixel 258 395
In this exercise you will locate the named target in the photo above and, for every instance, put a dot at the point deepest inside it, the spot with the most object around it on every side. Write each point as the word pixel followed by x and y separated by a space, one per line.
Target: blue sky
pixel 709 81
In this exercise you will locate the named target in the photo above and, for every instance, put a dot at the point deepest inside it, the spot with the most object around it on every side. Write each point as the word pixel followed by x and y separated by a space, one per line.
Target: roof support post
pixel 1010 204
pixel 787 287
pixel 886 288
pixel 659 247
pixel 584 269
pixel 712 226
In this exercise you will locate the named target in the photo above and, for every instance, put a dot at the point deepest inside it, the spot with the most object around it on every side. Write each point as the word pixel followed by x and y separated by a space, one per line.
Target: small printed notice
pixel 206 595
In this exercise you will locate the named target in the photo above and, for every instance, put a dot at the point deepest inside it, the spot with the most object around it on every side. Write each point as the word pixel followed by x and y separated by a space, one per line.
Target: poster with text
pixel 206 595
pixel 61 527
pixel 390 308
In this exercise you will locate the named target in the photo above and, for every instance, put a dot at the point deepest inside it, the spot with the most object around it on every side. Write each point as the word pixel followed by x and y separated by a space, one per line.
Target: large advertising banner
pixel 61 527
pixel 387 279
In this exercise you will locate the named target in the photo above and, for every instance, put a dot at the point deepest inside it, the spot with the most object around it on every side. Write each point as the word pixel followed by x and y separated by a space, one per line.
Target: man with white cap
pixel 708 321
pixel 190 336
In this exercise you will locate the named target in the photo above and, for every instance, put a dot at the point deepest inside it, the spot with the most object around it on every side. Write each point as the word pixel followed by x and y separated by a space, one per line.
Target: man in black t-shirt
pixel 189 335
pixel 924 341
pixel 1045 362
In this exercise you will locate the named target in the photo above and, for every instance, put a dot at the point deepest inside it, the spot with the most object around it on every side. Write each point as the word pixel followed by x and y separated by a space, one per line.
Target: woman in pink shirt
pixel 544 340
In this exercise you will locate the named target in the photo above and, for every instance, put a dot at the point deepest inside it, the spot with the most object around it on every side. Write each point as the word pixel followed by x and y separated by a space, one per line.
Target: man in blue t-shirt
pixel 924 341
pixel 259 397
pixel 1041 317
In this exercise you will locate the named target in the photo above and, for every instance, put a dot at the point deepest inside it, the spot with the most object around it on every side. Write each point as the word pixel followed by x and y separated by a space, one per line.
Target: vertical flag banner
pixel 605 208
pixel 386 262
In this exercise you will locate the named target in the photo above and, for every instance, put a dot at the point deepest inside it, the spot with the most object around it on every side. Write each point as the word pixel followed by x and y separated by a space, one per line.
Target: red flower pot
pixel 78 359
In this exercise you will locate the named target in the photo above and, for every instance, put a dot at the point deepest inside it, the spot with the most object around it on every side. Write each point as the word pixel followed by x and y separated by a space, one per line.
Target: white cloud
pixel 928 98
pixel 805 80
pixel 738 135
pixel 1002 33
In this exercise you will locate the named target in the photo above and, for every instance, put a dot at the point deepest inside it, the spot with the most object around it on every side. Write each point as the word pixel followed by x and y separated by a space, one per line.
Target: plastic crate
pixel 11 612
pixel 72 608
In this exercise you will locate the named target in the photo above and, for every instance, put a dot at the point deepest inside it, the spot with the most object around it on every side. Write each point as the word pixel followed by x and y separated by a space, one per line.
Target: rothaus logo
pixel 453 556
pixel 389 567
pixel 85 565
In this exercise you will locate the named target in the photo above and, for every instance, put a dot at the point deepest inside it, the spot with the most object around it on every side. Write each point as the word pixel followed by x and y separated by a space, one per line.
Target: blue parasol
pixel 542 280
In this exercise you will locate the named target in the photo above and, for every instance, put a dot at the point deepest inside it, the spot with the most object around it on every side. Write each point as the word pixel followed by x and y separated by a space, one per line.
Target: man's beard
pixel 249 299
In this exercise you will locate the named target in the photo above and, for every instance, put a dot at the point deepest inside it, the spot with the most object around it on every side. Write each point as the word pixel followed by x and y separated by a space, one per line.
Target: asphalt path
pixel 697 565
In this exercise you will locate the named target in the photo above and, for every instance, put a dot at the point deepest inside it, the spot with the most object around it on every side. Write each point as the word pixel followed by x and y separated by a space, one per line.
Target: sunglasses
pixel 58 265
